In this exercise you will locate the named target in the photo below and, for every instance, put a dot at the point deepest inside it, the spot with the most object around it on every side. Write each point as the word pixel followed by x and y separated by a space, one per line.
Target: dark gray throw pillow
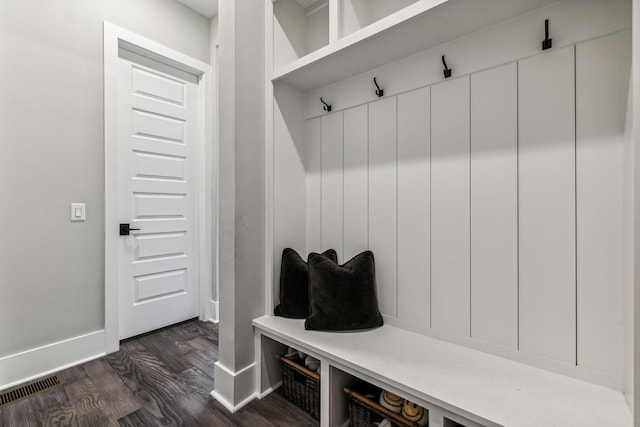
pixel 343 297
pixel 294 284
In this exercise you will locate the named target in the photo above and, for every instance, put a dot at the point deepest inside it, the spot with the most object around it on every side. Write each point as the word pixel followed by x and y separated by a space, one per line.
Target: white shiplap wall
pixel 480 198
pixel 332 184
pixel 414 206
pixel 547 189
pixel 600 114
pixel 356 181
pixel 383 192
pixel 450 215
pixel 494 206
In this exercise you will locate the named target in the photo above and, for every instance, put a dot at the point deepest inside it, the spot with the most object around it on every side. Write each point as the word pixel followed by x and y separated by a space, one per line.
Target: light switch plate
pixel 78 212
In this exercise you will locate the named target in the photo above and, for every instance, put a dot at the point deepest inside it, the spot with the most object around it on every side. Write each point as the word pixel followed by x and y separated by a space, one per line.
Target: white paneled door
pixel 157 142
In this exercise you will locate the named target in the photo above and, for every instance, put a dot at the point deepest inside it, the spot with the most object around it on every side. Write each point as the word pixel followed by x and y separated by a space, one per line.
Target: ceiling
pixel 208 8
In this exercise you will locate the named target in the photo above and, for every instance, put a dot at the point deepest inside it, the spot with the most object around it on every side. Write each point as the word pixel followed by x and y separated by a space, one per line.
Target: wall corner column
pixel 241 196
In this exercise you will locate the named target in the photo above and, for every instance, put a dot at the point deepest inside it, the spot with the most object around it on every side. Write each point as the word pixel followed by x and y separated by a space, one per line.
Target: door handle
pixel 125 229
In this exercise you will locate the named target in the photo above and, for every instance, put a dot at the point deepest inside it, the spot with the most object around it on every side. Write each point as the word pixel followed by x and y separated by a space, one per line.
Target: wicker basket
pixel 364 412
pixel 301 386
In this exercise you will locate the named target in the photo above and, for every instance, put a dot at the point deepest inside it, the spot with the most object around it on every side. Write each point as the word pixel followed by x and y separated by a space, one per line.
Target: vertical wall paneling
pixel 450 217
pixel 288 177
pixel 546 104
pixel 313 161
pixel 382 200
pixel 599 196
pixel 413 207
pixel 494 206
pixel 356 216
pixel 332 183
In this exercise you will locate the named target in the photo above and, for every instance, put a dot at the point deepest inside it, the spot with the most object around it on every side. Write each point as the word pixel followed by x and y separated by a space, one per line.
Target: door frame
pixel 114 38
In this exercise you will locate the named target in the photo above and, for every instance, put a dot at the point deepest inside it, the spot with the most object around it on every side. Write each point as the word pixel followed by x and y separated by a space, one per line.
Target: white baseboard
pixel 28 365
pixel 228 405
pixel 213 310
pixel 270 390
pixel 234 389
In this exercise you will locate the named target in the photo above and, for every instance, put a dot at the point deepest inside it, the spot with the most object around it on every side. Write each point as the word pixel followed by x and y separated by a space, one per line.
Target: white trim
pixel 155 55
pixel 216 181
pixel 223 401
pixel 232 386
pixel 209 194
pixel 231 408
pixel 28 365
pixel 214 314
pixel 334 21
pixel 270 390
pixel 205 203
pixel 113 37
pixel 236 374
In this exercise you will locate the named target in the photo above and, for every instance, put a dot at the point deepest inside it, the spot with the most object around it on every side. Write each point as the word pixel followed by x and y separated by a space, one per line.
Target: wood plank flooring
pixel 158 379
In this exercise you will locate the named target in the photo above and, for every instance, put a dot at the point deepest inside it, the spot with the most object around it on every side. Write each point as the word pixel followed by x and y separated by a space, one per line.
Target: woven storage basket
pixel 301 386
pixel 364 412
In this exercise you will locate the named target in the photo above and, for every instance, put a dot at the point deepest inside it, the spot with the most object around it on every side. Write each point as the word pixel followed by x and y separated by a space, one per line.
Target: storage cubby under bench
pixel 455 383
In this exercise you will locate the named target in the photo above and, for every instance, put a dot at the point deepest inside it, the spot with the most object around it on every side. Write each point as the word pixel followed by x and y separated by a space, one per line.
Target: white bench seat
pixel 488 389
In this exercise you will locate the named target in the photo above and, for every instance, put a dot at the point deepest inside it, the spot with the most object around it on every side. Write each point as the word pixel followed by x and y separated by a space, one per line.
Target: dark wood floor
pixel 159 379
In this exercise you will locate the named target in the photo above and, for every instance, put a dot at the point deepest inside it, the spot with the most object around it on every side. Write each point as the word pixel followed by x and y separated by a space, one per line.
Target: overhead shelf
pixel 394 37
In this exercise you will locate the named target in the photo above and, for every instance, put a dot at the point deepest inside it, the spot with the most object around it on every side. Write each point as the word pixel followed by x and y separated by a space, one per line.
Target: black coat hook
pixel 379 92
pixel 547 42
pixel 447 70
pixel 325 107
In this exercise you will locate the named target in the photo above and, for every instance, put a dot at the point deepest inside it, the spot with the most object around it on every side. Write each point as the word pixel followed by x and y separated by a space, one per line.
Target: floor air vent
pixel 25 391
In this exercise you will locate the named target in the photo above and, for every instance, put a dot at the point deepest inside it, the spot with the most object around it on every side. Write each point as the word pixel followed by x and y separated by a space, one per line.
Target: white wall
pixel 554 294
pixel 289 175
pixel 51 154
pixel 601 103
pixel 629 240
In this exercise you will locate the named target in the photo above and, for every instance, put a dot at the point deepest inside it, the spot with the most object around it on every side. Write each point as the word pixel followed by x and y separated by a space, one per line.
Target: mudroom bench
pixel 458 385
